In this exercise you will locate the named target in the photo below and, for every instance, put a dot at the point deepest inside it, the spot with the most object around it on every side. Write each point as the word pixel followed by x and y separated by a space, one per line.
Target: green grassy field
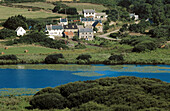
pixel 19 50
pixel 81 6
pixel 6 12
pixel 37 4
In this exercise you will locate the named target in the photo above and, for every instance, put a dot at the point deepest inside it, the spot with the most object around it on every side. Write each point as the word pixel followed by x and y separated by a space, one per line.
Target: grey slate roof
pixel 85 30
pixel 70 26
pixel 54 27
pixel 63 20
pixel 89 11
pixel 87 19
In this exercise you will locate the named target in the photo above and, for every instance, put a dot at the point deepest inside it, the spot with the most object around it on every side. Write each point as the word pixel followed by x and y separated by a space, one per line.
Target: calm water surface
pixel 28 78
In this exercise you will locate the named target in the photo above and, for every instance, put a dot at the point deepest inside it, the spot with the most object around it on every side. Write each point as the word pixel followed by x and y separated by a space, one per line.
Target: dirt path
pixel 107 34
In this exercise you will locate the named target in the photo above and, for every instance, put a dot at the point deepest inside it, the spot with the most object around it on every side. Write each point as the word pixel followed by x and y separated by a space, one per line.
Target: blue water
pixel 26 78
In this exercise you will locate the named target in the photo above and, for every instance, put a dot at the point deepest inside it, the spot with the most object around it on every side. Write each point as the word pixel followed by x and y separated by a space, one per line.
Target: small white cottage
pixel 20 31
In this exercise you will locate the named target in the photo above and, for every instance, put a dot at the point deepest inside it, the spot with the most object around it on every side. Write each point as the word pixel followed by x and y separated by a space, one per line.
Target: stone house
pixel 87 21
pixel 98 24
pixel 89 13
pixel 20 31
pixel 54 30
pixel 71 28
pixel 133 15
pixel 101 16
pixel 86 33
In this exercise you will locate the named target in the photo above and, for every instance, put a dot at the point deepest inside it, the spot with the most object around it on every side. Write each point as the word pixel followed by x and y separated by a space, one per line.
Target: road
pixel 105 36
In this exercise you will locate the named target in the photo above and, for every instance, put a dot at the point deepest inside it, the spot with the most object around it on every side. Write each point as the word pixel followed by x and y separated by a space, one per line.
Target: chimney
pixel 51 26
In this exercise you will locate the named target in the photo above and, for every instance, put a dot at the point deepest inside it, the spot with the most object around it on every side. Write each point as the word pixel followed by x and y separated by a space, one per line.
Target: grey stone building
pixel 86 33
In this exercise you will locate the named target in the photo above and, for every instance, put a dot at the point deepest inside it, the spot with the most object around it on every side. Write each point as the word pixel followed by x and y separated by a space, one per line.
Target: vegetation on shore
pixel 119 93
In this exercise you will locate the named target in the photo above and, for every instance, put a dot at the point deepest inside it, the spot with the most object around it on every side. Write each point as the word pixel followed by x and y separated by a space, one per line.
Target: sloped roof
pixel 63 20
pixel 19 29
pixel 54 27
pixel 70 26
pixel 87 19
pixel 97 23
pixel 69 33
pixel 85 30
pixel 100 14
pixel 89 11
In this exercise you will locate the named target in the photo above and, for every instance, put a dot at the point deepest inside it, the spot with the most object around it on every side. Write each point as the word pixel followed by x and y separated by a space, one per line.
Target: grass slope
pixel 6 12
pixel 81 6
pixel 37 4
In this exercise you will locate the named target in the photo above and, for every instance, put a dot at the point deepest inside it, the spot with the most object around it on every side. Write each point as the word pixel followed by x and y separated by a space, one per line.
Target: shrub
pixel 114 35
pixel 143 46
pixel 48 90
pixel 75 38
pixel 5 33
pixel 53 59
pixel 80 46
pixel 84 57
pixel 49 101
pixel 116 57
pixel 8 57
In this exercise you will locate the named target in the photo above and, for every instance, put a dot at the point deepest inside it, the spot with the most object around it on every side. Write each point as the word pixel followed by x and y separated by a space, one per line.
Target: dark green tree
pixel 15 21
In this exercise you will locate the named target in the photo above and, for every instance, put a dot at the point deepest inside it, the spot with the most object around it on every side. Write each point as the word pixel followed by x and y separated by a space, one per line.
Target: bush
pixel 84 57
pixel 143 46
pixel 75 38
pixel 6 33
pixel 80 46
pixel 47 90
pixel 114 35
pixel 116 57
pixel 53 59
pixel 8 57
pixel 49 101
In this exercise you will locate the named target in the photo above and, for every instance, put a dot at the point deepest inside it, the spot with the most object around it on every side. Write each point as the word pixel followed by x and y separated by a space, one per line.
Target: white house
pixel 54 30
pixel 63 21
pixel 89 13
pixel 133 15
pixel 87 21
pixel 101 16
pixel 20 31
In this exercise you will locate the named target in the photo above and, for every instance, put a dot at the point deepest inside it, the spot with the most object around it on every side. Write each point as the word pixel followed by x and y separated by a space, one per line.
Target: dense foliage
pixel 15 21
pixel 139 28
pixel 116 57
pixel 141 43
pixel 6 33
pixel 53 59
pixel 80 46
pixel 107 94
pixel 84 57
pixel 64 9
pixel 161 32
pixel 42 39
pixel 8 57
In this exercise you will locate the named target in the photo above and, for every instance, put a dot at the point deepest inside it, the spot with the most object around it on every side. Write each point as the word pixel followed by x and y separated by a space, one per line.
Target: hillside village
pixel 99 29
pixel 91 23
